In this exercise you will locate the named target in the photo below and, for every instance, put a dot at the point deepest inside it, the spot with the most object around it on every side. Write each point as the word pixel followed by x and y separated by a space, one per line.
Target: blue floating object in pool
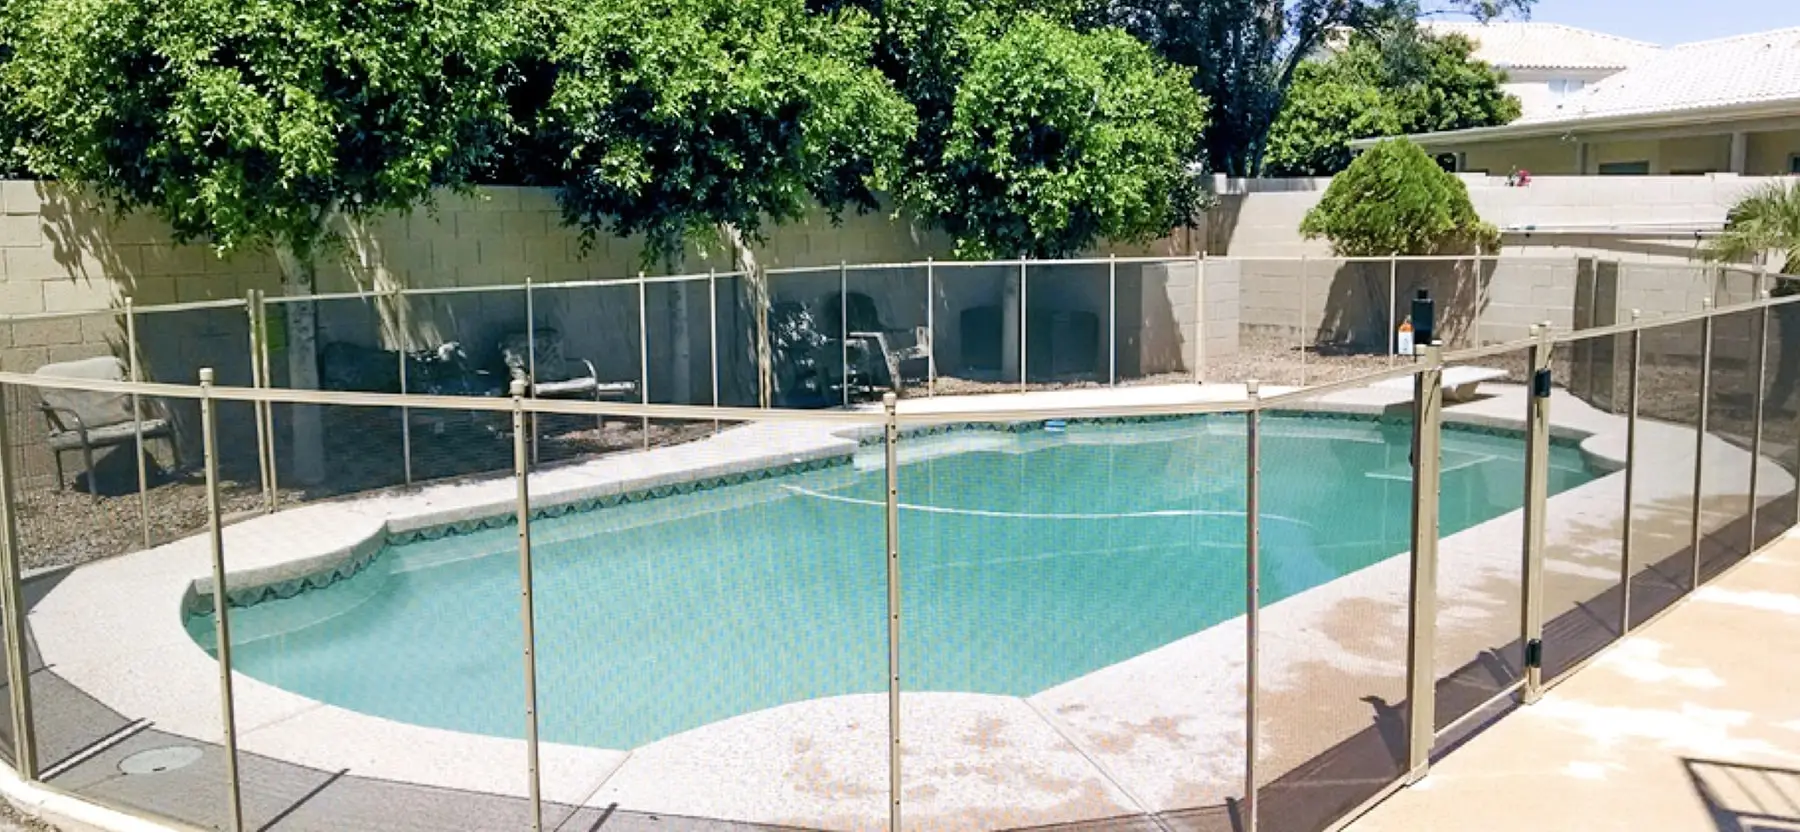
pixel 1055 426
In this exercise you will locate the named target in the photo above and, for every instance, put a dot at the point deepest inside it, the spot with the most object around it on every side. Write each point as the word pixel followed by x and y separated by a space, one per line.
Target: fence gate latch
pixel 1540 383
pixel 1534 653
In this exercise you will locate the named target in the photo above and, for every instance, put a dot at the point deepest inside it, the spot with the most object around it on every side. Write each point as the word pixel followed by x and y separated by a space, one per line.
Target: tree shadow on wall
pixel 1369 298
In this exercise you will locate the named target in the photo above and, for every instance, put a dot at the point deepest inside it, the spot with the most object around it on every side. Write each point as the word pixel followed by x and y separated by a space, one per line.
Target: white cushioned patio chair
pixel 85 420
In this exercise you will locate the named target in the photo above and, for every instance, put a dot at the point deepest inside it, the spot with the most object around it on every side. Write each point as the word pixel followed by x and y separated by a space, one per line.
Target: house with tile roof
pixel 1730 105
pixel 1547 62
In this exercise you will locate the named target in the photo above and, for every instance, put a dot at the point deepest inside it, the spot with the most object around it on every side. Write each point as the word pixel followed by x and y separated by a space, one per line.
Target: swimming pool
pixel 1029 558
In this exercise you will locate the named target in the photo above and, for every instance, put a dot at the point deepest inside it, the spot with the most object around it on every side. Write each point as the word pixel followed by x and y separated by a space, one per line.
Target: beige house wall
pixel 1695 154
pixel 1772 153
pixel 1769 147
pixel 1542 158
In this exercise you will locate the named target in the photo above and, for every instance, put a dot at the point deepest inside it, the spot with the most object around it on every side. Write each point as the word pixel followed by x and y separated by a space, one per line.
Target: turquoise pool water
pixel 1029 559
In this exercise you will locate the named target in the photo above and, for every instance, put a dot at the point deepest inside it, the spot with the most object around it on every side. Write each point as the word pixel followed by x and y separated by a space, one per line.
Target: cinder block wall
pixel 1546 227
pixel 62 252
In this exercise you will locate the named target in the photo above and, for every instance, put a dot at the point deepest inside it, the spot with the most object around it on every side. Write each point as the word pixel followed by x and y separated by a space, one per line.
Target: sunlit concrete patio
pixel 1690 724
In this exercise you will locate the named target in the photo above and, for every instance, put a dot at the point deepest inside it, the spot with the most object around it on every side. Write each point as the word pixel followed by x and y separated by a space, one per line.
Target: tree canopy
pixel 249 123
pixel 674 119
pixel 1394 199
pixel 1058 139
pixel 1247 53
pixel 1397 83
pixel 1018 126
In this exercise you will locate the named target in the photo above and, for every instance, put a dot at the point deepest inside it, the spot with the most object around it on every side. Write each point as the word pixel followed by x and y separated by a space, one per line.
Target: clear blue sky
pixel 1668 22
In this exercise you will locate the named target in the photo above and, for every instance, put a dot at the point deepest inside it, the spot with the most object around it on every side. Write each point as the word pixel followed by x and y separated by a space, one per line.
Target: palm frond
pixel 1766 219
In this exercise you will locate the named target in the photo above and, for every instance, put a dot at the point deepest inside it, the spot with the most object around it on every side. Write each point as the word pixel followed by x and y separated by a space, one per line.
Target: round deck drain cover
pixel 159 760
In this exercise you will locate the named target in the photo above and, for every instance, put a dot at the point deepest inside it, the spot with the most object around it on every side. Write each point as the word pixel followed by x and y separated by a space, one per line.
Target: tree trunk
pixel 305 422
pixel 756 291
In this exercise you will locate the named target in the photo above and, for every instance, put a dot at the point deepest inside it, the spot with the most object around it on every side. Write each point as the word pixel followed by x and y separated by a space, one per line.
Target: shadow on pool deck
pixel 82 743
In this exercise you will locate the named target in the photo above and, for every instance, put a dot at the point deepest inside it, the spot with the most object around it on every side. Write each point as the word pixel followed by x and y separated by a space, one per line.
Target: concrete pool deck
pixel 1688 725
pixel 1159 733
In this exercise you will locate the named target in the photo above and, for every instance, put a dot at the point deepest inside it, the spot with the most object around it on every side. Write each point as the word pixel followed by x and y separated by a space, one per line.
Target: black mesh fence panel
pixel 370 672
pixel 1780 462
pixel 1336 497
pixel 1584 521
pixel 1162 324
pixel 1069 336
pixel 890 327
pixel 1727 460
pixel 976 328
pixel 1662 518
pixel 1480 581
pixel 1072 622
pixel 709 622
pixel 92 720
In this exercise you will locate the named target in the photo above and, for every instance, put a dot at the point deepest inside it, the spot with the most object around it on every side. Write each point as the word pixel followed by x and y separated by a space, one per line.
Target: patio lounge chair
pixel 557 377
pixel 874 360
pixel 83 420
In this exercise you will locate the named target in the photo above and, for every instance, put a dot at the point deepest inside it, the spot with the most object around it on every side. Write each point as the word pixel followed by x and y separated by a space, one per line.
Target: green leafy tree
pixel 704 121
pixel 1395 200
pixel 1323 114
pixel 1059 139
pixel 1397 83
pixel 249 124
pixel 683 119
pixel 1247 53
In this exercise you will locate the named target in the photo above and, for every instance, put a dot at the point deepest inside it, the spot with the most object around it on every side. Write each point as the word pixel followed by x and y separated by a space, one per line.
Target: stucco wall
pixel 1773 152
pixel 1542 158
pixel 1768 152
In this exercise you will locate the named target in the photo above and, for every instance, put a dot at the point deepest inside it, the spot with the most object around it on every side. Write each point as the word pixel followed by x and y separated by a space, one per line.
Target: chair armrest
pixel 80 426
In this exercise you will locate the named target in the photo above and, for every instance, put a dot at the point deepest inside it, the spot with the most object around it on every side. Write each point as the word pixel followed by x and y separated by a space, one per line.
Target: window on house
pixel 1560 87
pixel 1794 163
pixel 1625 168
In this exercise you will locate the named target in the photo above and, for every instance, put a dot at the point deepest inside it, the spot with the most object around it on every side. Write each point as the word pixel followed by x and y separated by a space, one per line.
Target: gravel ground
pixel 12 820
pixel 63 527
pixel 68 527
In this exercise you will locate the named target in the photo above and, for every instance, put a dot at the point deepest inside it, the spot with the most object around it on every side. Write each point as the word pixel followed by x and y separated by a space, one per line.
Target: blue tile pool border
pixel 367 553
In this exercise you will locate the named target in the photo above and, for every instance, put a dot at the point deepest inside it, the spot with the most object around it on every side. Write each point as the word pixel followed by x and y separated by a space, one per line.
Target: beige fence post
pixel 1706 352
pixel 135 373
pixel 890 403
pixel 209 422
pixel 527 613
pixel 12 596
pixel 1421 669
pixel 712 317
pixel 1537 478
pixel 1112 320
pixel 931 327
pixel 258 380
pixel 403 342
pixel 1252 594
pixel 643 356
pixel 844 331
pixel 1762 377
pixel 1024 323
pixel 1631 426
pixel 265 410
